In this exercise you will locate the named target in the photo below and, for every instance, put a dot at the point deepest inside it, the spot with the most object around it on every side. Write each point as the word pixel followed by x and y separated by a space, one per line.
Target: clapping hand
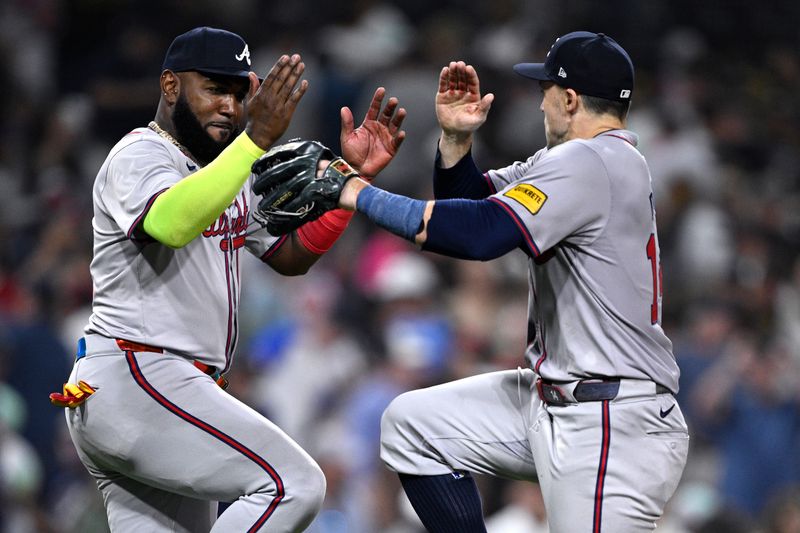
pixel 371 146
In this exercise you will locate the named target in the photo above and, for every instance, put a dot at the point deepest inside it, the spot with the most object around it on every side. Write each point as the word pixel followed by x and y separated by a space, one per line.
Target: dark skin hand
pixel 268 107
pixel 371 146
pixel 273 101
pixel 269 110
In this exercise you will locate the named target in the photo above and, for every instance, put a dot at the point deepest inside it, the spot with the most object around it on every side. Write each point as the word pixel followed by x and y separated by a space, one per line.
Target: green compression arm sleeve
pixel 184 210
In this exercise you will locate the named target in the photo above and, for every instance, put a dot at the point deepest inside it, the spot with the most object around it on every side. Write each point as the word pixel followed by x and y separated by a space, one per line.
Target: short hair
pixel 601 106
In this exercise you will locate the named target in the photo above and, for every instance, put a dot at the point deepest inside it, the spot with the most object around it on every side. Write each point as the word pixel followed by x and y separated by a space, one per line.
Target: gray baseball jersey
pixel 585 208
pixel 161 439
pixel 183 300
pixel 609 464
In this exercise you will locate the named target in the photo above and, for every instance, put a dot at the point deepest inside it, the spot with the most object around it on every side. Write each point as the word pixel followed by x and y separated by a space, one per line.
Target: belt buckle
pixel 222 382
pixel 216 375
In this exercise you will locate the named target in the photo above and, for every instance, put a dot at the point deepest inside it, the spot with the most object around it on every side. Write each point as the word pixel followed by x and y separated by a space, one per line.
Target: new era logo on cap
pixel 597 66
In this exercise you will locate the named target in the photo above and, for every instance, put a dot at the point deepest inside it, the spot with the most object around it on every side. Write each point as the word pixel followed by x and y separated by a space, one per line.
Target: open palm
pixel 459 106
pixel 371 146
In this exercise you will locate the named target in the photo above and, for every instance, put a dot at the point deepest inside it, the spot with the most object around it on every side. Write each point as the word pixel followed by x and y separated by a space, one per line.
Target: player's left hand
pixel 299 182
pixel 460 108
pixel 272 102
pixel 371 146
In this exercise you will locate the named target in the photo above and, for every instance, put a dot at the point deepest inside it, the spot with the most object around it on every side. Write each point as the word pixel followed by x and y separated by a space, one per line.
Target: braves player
pixel 172 213
pixel 593 415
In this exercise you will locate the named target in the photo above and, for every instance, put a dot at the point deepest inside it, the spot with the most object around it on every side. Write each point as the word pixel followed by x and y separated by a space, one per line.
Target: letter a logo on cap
pixel 244 55
pixel 561 72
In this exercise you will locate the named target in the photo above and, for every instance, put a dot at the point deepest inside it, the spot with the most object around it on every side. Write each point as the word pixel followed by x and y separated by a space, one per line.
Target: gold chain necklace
pixel 156 128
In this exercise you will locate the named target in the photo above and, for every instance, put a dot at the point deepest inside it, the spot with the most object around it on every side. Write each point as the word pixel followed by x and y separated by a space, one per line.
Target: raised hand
pixel 460 108
pixel 272 102
pixel 371 146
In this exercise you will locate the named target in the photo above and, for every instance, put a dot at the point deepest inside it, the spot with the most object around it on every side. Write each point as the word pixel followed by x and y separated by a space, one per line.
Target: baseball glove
pixel 292 194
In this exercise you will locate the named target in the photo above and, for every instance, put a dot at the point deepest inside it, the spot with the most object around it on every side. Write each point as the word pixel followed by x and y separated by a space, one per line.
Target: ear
pixel 571 100
pixel 170 86
pixel 254 84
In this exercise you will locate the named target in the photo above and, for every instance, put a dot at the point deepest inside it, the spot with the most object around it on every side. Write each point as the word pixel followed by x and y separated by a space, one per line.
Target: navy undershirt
pixel 462 180
pixel 464 223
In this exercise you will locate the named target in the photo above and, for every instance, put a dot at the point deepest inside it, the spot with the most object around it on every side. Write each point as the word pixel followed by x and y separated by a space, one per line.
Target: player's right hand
pixel 371 146
pixel 272 102
pixel 460 108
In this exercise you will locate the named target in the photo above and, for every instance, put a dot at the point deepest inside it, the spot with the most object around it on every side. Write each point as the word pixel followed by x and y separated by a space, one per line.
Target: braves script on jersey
pixel 595 304
pixel 158 428
pixel 153 294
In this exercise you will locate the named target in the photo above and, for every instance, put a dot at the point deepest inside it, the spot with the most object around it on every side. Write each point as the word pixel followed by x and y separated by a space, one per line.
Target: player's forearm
pixel 402 216
pixel 453 147
pixel 467 229
pixel 293 258
pixel 462 180
pixel 470 229
pixel 191 205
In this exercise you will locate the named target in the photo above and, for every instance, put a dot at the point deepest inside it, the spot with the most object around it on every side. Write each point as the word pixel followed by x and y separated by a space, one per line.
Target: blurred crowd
pixel 322 355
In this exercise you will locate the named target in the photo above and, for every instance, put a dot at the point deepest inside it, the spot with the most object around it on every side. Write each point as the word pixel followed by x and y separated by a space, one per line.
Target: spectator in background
pixel 523 510
pixel 34 359
pixel 707 329
pixel 787 311
pixel 123 87
pixel 749 403
pixel 782 514
pixel 308 346
pixel 416 338
pixel 695 56
pixel 21 471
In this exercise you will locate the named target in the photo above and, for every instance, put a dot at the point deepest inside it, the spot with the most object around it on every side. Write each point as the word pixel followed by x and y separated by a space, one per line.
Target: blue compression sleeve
pixel 398 214
pixel 471 229
pixel 462 180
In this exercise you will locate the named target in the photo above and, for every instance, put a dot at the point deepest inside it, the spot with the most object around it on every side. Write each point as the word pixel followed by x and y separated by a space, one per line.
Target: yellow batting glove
pixel 73 395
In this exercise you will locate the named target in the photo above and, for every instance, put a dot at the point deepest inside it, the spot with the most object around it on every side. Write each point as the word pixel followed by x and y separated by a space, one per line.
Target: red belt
pixel 129 346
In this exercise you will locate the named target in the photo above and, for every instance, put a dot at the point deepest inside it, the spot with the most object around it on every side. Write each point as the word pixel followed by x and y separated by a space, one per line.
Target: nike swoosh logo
pixel 664 413
pixel 190 166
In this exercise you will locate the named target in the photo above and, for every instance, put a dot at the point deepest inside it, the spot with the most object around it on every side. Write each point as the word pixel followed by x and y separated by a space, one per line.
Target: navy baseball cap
pixel 590 63
pixel 208 50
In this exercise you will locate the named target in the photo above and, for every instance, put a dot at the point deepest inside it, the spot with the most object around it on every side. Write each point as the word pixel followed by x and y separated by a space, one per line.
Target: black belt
pixel 584 391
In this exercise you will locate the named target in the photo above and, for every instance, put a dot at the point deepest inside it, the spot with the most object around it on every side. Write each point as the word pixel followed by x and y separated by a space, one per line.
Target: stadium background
pixel 717 108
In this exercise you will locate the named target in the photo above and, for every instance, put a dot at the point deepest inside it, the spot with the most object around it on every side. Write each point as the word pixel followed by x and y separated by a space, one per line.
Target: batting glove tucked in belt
pixel 73 395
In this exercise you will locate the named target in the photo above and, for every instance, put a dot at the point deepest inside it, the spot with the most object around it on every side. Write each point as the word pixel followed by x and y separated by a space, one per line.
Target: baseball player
pixel 593 415
pixel 172 213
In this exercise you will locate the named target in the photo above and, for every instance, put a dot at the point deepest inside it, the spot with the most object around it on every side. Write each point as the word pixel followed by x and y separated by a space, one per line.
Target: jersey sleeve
pixel 499 179
pixel 136 175
pixel 564 195
pixel 259 241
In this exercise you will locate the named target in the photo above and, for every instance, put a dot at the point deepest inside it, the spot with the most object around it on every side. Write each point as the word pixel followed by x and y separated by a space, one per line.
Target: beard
pixel 191 134
pixel 554 137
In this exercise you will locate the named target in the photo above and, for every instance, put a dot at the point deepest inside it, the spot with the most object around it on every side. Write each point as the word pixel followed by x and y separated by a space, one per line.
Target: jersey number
pixel 658 285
